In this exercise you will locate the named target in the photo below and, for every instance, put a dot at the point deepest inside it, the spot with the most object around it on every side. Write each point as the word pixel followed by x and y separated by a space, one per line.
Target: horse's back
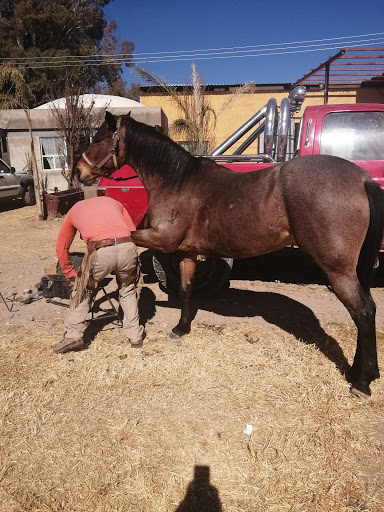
pixel 321 171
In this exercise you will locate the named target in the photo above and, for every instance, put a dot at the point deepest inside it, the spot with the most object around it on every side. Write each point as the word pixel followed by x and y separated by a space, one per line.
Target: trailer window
pixel 353 135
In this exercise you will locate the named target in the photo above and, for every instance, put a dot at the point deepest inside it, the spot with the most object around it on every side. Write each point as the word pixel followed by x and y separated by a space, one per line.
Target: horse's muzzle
pixel 84 174
pixel 87 180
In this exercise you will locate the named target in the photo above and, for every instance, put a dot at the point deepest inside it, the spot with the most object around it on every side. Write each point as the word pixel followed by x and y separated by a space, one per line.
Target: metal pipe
pixel 251 138
pixel 5 302
pixel 282 130
pixel 270 126
pixel 240 132
pixel 260 157
pixel 326 88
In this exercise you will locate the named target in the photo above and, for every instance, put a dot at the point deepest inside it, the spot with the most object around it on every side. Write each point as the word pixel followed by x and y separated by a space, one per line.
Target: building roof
pixel 98 100
pixel 15 119
pixel 215 87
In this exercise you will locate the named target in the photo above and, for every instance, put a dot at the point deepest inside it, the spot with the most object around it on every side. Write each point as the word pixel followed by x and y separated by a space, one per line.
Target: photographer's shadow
pixel 201 495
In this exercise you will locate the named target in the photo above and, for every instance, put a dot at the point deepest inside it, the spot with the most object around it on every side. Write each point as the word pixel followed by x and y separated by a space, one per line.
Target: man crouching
pixel 105 226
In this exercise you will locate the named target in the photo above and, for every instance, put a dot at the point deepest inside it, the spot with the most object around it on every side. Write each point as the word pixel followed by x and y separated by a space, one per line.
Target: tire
pixel 211 276
pixel 29 198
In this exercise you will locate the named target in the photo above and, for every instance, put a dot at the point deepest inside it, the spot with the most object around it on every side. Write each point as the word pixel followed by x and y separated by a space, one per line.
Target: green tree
pixel 119 88
pixel 17 94
pixel 48 34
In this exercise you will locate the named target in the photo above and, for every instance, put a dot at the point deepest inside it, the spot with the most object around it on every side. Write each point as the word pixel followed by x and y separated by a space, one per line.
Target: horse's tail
pixel 370 249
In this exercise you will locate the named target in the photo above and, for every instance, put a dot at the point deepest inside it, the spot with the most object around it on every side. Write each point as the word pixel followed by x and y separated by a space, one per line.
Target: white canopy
pixel 99 101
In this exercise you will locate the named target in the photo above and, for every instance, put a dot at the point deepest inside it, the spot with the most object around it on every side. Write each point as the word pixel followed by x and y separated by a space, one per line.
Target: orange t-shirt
pixel 95 219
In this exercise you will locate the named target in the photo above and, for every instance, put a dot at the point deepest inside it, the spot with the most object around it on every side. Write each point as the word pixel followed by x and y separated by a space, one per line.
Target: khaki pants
pixel 122 260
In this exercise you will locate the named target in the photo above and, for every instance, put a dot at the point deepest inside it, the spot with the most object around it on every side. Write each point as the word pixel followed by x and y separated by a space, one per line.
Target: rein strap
pixel 123 179
pixel 112 154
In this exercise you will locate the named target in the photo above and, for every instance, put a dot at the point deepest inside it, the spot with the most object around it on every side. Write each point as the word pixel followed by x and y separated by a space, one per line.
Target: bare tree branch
pixel 76 122
pixel 17 94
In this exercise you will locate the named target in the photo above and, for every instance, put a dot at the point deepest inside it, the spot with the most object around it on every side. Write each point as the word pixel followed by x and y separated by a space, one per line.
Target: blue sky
pixel 171 26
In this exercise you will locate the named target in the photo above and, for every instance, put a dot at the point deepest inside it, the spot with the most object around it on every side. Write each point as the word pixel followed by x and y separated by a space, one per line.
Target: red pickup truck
pixel 351 131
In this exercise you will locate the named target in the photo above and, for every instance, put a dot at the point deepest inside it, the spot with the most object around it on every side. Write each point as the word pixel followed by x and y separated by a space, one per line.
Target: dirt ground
pixel 148 430
pixel 263 291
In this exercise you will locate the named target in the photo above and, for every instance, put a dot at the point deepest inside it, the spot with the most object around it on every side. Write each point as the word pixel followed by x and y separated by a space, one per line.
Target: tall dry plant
pixel 197 122
pixel 15 93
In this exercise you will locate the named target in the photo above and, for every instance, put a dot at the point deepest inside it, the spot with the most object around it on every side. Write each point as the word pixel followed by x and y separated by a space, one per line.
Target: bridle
pixel 114 151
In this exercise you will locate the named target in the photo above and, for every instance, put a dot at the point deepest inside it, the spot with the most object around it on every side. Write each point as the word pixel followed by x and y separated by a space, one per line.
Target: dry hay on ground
pixel 22 235
pixel 113 428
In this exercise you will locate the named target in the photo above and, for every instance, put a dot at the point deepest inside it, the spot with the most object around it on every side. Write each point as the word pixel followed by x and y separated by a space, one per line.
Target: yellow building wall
pixel 242 109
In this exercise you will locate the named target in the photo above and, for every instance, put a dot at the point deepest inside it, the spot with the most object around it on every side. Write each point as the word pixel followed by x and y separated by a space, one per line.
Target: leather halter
pixel 112 154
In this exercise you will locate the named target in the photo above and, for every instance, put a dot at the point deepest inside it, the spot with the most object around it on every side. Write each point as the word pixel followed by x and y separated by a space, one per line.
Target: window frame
pixel 57 157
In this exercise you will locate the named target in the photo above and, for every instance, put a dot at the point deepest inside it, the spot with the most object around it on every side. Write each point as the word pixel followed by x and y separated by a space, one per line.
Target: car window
pixel 3 167
pixel 353 135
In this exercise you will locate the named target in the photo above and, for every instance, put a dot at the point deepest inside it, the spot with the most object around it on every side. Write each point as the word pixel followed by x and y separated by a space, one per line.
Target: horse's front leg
pixel 187 271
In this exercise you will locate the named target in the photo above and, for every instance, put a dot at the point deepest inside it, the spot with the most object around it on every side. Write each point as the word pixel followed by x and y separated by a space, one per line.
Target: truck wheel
pixel 29 195
pixel 211 276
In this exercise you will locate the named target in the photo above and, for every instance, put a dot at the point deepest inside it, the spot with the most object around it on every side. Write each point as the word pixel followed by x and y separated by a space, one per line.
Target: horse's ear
pixel 111 121
pixel 129 114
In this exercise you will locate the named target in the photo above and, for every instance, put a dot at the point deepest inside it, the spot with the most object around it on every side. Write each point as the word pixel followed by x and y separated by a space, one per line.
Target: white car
pixel 16 184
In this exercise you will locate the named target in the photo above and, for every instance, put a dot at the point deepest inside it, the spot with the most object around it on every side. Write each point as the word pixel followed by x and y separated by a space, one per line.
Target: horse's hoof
pixel 178 331
pixel 358 393
pixel 173 335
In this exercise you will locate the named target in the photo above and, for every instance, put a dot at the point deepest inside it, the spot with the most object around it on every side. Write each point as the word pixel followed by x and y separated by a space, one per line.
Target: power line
pixel 264 45
pixel 250 53
pixel 196 52
pixel 118 61
pixel 209 54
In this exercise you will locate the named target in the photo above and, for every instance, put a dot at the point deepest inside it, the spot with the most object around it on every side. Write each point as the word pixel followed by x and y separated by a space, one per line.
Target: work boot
pixel 139 343
pixel 68 345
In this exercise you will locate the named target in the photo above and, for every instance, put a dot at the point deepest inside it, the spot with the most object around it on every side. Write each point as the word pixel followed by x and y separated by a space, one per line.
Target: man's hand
pixel 71 282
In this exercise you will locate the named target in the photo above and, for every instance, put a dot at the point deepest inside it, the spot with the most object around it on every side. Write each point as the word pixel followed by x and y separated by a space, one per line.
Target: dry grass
pixel 113 429
pixel 116 429
pixel 23 236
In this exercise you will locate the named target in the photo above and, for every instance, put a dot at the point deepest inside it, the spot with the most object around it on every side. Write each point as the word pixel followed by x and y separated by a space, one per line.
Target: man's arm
pixel 128 219
pixel 66 235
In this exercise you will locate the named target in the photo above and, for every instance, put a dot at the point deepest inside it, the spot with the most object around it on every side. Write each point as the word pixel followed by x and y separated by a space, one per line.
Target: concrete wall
pixel 246 105
pixel 14 123
pixel 19 147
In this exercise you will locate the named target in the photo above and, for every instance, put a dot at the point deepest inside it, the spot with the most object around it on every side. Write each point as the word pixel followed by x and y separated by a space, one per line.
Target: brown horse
pixel 329 207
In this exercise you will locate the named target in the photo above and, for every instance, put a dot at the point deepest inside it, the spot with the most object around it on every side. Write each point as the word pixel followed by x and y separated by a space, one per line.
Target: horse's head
pixel 104 155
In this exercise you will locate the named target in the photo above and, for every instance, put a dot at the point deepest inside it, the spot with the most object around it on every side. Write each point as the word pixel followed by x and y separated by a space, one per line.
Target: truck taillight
pixel 101 191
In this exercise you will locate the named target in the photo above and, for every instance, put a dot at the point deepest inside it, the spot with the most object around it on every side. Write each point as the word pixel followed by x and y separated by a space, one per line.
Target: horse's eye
pixel 98 138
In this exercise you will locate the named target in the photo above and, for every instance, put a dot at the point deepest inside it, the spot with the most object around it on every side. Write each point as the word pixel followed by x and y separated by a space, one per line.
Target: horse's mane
pixel 152 153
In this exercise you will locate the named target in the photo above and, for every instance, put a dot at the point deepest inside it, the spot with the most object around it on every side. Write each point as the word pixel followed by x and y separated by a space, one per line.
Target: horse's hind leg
pixel 187 271
pixel 362 309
